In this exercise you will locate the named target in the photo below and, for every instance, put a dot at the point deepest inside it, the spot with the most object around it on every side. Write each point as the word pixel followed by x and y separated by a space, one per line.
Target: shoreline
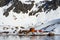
pixel 29 35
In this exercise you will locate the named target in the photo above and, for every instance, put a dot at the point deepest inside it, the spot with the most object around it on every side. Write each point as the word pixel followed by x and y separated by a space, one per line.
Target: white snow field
pixel 25 20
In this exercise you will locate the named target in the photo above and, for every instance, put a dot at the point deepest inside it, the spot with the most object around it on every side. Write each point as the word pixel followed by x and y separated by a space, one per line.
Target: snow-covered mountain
pixel 28 13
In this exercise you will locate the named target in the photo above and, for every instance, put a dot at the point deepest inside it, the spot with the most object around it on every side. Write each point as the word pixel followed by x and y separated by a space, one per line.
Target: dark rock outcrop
pixel 4 2
pixel 21 7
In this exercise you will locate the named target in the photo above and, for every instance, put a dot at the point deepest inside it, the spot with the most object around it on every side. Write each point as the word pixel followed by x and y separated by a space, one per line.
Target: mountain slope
pixel 28 13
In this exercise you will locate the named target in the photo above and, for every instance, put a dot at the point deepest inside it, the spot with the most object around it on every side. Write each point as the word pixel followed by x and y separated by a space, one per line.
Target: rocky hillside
pixel 19 6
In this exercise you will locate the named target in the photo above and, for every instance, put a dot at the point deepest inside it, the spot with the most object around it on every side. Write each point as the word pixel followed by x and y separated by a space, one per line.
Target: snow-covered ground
pixel 25 20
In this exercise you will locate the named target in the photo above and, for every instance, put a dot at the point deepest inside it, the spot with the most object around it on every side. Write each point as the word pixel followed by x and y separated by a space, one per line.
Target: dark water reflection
pixel 29 38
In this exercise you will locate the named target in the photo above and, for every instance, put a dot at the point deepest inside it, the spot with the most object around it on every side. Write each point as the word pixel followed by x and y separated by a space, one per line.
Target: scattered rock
pixel 51 34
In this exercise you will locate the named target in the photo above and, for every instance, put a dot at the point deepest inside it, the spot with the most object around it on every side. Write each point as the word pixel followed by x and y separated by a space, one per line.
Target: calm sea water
pixel 29 38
